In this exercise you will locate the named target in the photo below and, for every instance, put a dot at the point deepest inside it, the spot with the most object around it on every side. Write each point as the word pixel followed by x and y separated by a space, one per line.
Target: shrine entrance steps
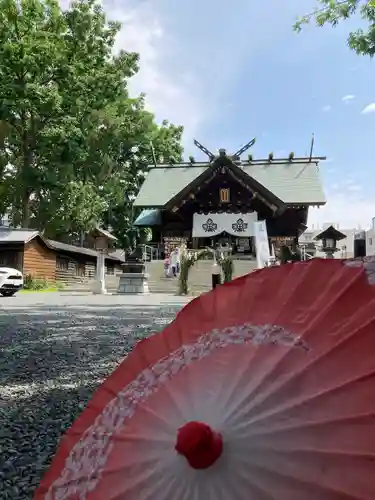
pixel 87 285
pixel 200 276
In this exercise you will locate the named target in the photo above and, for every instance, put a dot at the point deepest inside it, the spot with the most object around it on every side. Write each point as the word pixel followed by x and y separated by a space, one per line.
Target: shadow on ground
pixel 52 359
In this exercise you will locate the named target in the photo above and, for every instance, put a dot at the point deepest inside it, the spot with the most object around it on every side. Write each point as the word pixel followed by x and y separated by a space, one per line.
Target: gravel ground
pixel 54 352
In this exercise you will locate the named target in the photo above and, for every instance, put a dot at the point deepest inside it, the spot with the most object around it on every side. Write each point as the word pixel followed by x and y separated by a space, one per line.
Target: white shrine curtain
pixel 212 224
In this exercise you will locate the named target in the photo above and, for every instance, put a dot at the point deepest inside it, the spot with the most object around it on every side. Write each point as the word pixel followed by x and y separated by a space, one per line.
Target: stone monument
pixel 102 240
pixel 134 279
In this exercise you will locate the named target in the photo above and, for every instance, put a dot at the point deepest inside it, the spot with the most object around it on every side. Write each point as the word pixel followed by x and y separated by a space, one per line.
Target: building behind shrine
pixel 205 203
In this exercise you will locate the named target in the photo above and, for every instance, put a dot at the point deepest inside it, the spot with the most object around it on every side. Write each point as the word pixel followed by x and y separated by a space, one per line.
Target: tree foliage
pixel 74 146
pixel 332 12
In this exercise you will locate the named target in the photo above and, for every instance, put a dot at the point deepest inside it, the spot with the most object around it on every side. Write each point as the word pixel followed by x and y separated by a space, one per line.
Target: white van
pixel 11 280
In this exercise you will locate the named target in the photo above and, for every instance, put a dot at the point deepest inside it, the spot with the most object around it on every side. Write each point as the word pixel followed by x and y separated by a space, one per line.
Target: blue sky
pixel 232 71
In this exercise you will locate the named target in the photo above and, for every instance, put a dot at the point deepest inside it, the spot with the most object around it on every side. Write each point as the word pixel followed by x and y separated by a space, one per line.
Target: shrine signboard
pixel 173 242
pixel 280 241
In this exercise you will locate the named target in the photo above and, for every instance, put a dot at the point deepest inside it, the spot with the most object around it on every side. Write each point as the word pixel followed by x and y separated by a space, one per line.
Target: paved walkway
pixel 55 349
pixel 68 298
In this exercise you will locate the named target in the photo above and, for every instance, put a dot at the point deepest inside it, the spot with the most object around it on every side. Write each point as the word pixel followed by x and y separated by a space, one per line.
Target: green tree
pixel 72 140
pixel 29 97
pixel 332 12
pixel 154 143
pixel 57 76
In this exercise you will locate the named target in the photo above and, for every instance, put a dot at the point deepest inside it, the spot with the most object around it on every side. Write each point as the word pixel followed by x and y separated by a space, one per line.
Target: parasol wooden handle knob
pixel 199 444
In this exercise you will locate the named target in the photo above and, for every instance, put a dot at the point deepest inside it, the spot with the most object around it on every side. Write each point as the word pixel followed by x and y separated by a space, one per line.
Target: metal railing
pixel 306 255
pixel 149 253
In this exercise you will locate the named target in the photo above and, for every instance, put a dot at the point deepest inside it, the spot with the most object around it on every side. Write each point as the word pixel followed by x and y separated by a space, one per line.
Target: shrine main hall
pixel 217 201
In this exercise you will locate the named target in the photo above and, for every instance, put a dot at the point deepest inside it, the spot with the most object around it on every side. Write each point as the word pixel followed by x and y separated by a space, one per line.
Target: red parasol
pixel 262 389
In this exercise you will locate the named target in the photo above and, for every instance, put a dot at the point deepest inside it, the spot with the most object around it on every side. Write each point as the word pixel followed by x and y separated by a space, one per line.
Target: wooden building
pixel 205 203
pixel 79 263
pixel 29 252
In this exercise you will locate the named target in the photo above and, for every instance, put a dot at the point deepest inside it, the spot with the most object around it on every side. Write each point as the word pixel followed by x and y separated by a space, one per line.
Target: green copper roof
pixel 148 218
pixel 162 184
pixel 293 183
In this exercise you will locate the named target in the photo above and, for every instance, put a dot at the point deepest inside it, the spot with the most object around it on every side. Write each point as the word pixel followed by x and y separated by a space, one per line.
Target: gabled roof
pixel 9 235
pixel 330 232
pixel 294 183
pixel 24 236
pixel 235 171
pixel 104 232
pixel 64 247
pixel 148 218
pixel 163 183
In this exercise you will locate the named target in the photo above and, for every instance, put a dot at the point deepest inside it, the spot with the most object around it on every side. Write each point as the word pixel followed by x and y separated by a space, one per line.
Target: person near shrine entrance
pixel 215 203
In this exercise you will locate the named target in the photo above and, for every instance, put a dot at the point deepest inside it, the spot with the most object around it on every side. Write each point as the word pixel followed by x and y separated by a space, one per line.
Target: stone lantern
pixel 102 242
pixel 329 238
pixel 134 279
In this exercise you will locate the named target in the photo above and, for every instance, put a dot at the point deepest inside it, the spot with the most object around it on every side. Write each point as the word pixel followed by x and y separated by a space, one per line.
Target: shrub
pixel 37 284
pixel 186 263
pixel 188 259
pixel 59 285
pixel 31 283
pixel 227 267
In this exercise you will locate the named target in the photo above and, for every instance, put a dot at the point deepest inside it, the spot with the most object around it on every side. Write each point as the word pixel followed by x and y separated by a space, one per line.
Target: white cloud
pixel 355 187
pixel 348 181
pixel 170 94
pixel 348 209
pixel 370 108
pixel 348 97
pixel 327 108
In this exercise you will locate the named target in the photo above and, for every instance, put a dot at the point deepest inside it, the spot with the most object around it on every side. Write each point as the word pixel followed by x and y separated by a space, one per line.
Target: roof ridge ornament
pixel 204 150
pixel 236 157
pixel 244 148
pixel 223 152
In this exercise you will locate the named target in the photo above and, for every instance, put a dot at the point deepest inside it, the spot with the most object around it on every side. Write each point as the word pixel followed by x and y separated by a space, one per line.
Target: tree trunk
pixel 25 221
pixel 26 168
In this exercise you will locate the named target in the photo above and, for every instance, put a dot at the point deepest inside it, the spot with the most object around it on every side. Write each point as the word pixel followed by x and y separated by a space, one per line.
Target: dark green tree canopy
pixel 332 12
pixel 74 145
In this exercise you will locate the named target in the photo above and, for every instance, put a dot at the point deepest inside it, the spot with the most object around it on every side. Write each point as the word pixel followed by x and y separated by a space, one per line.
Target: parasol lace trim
pixel 88 457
